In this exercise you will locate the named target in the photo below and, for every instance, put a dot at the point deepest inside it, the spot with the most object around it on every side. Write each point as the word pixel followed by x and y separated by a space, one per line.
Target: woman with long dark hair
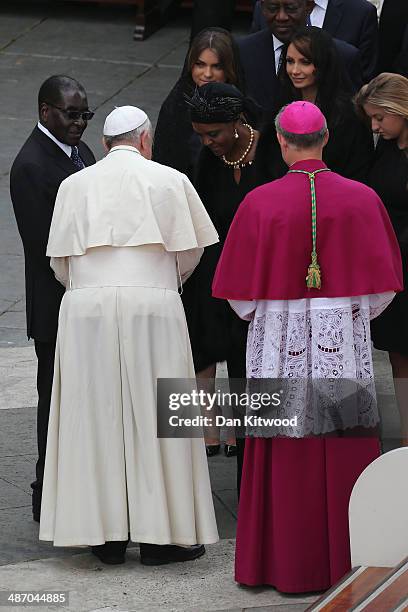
pixel 311 70
pixel 213 58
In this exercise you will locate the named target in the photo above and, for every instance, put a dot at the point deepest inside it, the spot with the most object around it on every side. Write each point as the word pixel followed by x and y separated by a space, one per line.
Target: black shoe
pixel 111 553
pixel 36 503
pixel 154 554
pixel 212 449
pixel 230 450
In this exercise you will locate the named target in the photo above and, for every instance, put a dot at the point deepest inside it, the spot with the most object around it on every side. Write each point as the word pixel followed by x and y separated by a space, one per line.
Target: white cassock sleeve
pixel 244 309
pixel 60 267
pixel 379 302
pixel 188 261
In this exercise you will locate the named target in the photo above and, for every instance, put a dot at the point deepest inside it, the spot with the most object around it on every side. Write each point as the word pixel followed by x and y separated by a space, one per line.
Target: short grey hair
pixel 300 141
pixel 132 136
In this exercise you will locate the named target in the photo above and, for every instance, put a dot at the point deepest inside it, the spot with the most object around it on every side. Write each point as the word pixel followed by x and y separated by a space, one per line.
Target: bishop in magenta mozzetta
pixel 309 259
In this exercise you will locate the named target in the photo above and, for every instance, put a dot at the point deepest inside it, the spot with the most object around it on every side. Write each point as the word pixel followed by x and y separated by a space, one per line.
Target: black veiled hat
pixel 216 103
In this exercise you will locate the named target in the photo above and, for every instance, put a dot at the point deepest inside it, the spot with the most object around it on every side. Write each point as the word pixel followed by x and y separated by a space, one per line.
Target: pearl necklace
pixel 237 165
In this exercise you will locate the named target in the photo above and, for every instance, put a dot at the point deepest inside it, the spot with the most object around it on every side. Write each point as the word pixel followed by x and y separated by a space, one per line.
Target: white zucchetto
pixel 123 119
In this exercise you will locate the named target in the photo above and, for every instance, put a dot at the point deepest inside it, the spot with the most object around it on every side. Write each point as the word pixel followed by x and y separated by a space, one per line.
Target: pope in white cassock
pixel 124 234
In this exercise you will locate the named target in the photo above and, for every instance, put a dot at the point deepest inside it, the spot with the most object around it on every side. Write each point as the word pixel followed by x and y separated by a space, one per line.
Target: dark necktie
pixel 308 20
pixel 76 160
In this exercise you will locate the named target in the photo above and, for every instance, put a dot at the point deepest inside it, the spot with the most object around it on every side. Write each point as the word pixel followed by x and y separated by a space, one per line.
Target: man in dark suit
pixel 210 13
pixel 53 151
pixel 354 21
pixel 393 55
pixel 260 52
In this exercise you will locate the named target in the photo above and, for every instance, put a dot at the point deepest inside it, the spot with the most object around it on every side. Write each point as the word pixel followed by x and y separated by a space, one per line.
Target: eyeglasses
pixel 74 115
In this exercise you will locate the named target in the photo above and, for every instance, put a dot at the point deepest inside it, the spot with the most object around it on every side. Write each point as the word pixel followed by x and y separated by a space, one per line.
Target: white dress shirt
pixel 66 148
pixel 319 13
pixel 378 5
pixel 277 47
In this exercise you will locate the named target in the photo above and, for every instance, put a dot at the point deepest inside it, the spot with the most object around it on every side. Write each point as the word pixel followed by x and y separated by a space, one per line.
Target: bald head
pixel 53 89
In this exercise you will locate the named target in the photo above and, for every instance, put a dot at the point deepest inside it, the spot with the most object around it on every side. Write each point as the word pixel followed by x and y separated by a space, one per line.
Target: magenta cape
pixel 267 251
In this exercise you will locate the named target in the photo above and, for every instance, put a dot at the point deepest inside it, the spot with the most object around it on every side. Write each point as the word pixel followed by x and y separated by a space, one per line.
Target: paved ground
pixel 95 45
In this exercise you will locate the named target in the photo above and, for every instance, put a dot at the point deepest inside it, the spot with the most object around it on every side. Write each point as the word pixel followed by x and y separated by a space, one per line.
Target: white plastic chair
pixel 378 512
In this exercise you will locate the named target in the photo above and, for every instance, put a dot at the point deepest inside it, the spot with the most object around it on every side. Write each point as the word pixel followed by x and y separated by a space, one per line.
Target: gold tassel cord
pixel 313 278
pixel 314 275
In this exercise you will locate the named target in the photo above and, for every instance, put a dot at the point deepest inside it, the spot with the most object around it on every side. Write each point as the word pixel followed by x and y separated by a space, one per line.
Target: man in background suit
pixel 53 151
pixel 354 21
pixel 211 13
pixel 260 52
pixel 394 37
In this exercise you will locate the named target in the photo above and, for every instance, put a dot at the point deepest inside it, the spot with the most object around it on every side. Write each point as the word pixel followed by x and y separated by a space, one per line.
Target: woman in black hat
pixel 226 172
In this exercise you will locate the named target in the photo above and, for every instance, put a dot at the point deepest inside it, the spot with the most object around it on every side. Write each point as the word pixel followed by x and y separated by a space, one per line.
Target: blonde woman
pixel 384 101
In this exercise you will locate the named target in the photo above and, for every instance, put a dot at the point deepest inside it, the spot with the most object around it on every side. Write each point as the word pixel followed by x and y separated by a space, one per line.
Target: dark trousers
pixel 45 352
pixel 212 13
pixel 237 369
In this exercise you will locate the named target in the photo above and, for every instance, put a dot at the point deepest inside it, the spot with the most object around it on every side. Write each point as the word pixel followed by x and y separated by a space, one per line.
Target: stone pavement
pixel 93 44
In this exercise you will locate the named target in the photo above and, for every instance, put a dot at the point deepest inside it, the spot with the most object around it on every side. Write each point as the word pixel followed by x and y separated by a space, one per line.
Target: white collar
pixel 66 148
pixel 124 148
pixel 277 44
pixel 322 4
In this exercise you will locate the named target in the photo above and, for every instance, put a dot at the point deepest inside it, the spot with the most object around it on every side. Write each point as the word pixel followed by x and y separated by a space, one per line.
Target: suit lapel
pixel 60 158
pixel 64 162
pixel 333 16
pixel 86 154
pixel 266 65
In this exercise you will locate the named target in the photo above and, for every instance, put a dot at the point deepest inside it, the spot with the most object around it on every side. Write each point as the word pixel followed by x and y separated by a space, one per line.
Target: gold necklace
pixel 238 163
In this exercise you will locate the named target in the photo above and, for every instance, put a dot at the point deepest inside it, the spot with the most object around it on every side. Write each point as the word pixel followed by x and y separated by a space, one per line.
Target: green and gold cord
pixel 314 276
